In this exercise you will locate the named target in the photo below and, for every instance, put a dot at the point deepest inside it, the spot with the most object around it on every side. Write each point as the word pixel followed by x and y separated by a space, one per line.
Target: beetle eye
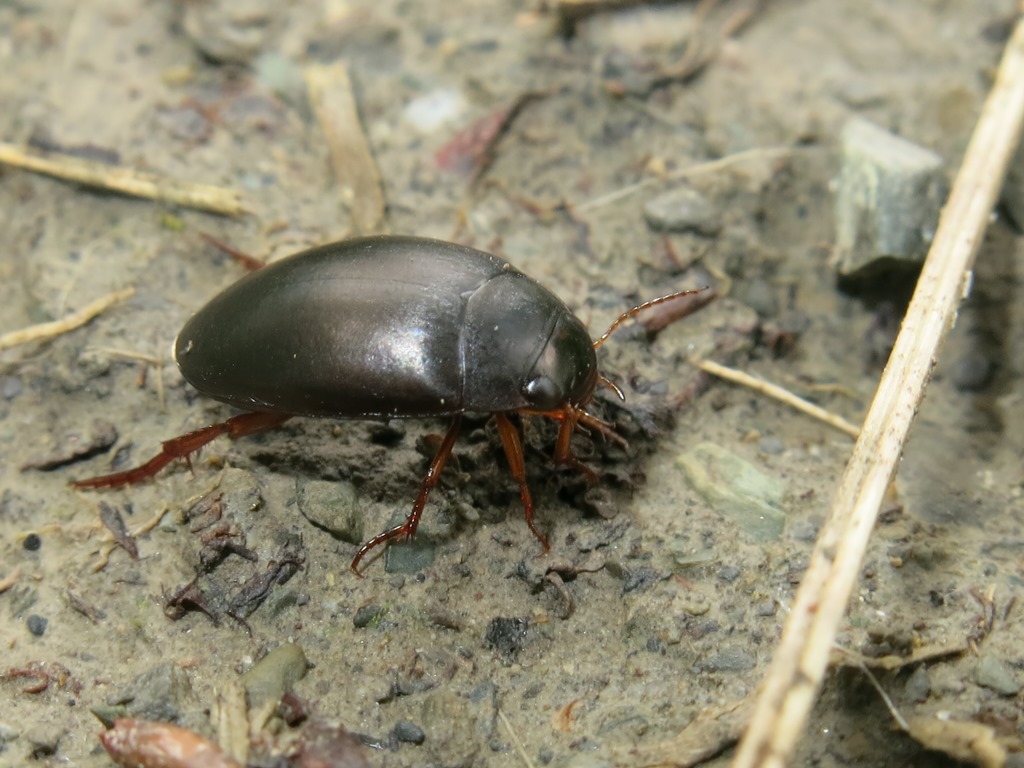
pixel 543 393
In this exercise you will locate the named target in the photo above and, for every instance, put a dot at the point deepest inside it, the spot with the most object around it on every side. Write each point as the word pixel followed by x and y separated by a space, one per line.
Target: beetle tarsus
pixel 183 446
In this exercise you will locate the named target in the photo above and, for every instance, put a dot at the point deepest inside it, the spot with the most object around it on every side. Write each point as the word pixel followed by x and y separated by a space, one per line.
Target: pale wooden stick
pixel 126 181
pixel 65 324
pixel 330 93
pixel 779 393
pixel 796 672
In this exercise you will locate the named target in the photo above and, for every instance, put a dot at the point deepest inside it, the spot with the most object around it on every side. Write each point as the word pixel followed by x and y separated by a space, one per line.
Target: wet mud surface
pixel 466 647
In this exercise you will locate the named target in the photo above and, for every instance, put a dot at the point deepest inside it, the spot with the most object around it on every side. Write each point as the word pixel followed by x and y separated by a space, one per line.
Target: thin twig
pixel 779 393
pixel 127 354
pixel 798 667
pixel 126 181
pixel 69 323
pixel 858 662
pixel 515 739
pixel 689 171
pixel 10 579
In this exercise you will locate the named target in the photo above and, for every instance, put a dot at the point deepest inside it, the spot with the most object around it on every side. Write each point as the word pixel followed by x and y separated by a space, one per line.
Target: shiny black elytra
pixel 390 327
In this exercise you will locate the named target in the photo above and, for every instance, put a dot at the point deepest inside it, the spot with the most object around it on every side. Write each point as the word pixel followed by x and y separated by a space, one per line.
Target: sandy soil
pixel 467 638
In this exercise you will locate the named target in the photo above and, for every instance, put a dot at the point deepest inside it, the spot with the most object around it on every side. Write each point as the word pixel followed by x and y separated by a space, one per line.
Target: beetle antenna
pixel 638 309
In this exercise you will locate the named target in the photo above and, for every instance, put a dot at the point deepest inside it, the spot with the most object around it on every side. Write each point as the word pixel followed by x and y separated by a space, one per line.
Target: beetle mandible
pixel 391 327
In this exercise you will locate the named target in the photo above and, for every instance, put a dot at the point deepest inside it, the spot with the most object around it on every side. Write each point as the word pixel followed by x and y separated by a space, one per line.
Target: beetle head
pixel 566 370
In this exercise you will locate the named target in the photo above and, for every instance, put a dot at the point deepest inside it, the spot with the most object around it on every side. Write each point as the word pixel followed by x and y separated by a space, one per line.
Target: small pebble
pixel 730 660
pixel 759 295
pixel 11 388
pixel 729 572
pixel 683 210
pixel 971 372
pixel 37 625
pixel 367 615
pixel 771 445
pixel 32 542
pixel 918 685
pixel 410 556
pixel 7 733
pixel 229 32
pixel 409 732
pixel 996 675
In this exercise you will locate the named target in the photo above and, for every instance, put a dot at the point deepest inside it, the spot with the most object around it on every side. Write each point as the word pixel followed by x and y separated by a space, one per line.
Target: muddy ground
pixel 467 648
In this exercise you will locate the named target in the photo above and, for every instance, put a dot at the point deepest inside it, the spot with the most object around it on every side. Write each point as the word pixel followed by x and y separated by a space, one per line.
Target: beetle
pixel 389 327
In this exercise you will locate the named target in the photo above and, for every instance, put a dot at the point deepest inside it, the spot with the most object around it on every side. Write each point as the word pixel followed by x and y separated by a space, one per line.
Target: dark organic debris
pixel 507 635
pixel 258 588
pixel 114 522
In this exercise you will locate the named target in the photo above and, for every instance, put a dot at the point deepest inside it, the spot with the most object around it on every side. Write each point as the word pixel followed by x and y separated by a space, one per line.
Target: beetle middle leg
pixel 411 523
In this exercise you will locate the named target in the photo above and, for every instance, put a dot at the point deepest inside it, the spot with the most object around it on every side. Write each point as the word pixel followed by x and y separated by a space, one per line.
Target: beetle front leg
pixel 411 523
pixel 514 452
pixel 183 446
pixel 563 449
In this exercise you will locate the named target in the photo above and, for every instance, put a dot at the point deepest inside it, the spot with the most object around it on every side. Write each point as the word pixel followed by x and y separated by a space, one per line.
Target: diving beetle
pixel 390 327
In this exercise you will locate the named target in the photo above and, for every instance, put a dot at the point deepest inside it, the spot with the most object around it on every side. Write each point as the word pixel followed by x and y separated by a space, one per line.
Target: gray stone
pixel 736 489
pixel 889 198
pixel 683 210
pixel 44 738
pixel 996 675
pixel 162 693
pixel 332 506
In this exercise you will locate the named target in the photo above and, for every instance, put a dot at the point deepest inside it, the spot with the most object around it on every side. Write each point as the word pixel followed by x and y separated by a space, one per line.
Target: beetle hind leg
pixel 183 446
pixel 411 523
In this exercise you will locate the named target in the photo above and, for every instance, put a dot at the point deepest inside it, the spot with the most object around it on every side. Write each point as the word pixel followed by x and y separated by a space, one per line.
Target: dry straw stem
pixel 65 324
pixel 126 181
pixel 795 675
pixel 330 93
pixel 779 393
